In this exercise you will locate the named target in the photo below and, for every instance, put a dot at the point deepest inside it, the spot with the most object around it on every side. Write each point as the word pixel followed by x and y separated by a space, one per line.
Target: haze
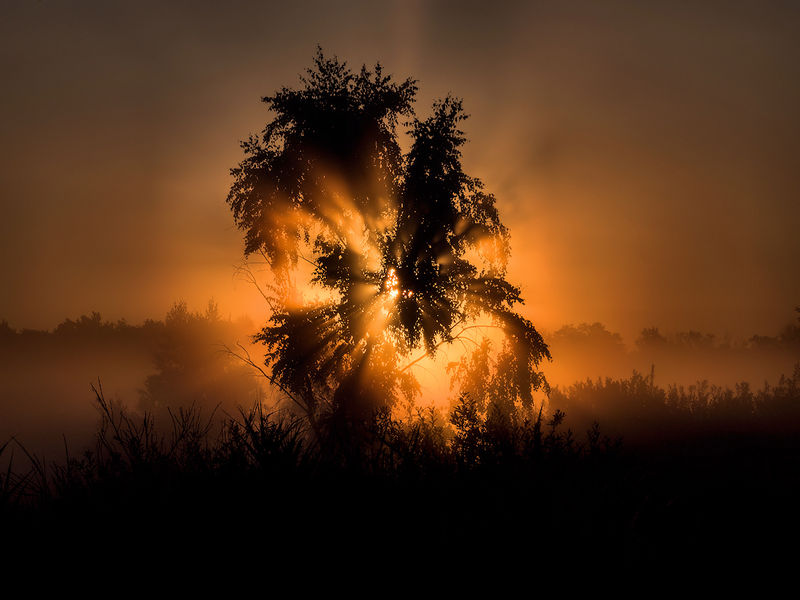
pixel 643 155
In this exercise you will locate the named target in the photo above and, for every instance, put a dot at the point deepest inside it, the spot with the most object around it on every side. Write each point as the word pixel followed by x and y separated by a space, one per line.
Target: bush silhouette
pixel 193 367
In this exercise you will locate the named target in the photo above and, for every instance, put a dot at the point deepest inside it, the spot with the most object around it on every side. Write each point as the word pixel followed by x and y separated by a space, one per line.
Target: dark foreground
pixel 500 492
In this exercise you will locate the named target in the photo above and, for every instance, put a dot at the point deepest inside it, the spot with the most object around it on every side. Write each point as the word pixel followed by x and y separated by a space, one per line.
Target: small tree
pixel 191 369
pixel 408 250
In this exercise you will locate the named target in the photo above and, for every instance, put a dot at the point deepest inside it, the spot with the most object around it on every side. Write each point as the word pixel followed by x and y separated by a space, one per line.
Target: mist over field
pixel 180 360
pixel 185 359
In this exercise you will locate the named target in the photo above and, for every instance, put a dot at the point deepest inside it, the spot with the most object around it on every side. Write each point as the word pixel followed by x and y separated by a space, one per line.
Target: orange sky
pixel 645 160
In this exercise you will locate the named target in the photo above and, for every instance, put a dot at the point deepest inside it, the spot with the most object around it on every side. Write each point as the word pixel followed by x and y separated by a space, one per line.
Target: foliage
pixel 406 246
pixel 194 368
pixel 425 486
pixel 493 380
pixel 640 410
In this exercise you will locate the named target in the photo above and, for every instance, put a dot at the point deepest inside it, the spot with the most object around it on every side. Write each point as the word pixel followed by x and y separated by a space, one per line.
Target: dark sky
pixel 644 154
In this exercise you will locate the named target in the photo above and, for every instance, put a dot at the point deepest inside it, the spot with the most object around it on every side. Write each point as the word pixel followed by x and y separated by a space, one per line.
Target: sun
pixel 391 285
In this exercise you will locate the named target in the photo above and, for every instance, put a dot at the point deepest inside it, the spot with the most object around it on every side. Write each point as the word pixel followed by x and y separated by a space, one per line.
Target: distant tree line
pixel 685 357
pixel 190 353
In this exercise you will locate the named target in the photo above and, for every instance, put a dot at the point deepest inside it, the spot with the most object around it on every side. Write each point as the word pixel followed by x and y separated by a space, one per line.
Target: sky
pixel 644 155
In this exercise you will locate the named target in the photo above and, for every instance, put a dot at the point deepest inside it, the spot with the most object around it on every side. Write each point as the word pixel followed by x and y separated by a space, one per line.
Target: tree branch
pixel 449 340
pixel 249 361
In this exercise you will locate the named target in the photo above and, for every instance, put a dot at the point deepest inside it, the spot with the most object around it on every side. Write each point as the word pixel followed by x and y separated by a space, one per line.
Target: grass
pixel 515 488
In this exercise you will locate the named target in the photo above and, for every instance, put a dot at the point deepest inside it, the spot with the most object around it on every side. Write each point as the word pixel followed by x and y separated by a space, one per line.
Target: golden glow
pixel 391 284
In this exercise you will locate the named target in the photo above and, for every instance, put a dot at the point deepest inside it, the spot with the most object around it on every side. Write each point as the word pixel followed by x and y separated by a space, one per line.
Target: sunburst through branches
pixel 409 249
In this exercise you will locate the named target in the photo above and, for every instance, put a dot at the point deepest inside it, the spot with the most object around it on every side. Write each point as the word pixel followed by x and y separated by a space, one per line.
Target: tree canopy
pixel 408 249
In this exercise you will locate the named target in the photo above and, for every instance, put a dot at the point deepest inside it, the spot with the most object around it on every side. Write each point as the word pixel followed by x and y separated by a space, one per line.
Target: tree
pixel 191 369
pixel 407 251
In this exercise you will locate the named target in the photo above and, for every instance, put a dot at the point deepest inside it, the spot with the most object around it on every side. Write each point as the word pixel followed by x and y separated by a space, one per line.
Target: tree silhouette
pixel 191 369
pixel 406 251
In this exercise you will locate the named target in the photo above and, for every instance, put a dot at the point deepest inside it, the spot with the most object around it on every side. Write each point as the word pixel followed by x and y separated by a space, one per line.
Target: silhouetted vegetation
pixel 343 464
pixel 683 357
pixel 602 473
pixel 194 365
pixel 181 361
pixel 639 410
pixel 477 481
pixel 407 251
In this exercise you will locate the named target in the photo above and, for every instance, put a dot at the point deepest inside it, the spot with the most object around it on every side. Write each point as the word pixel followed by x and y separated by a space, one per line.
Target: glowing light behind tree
pixel 410 248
